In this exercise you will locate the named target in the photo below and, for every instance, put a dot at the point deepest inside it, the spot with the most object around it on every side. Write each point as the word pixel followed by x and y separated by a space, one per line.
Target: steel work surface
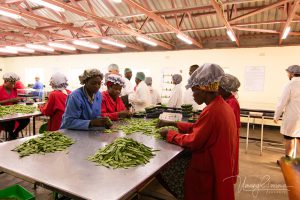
pixel 73 174
pixel 19 116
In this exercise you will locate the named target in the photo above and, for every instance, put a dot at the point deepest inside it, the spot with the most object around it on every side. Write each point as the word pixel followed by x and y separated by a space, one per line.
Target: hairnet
pixel 113 67
pixel 176 78
pixel 114 79
pixel 295 69
pixel 140 76
pixel 58 81
pixel 11 77
pixel 89 73
pixel 148 80
pixel 127 70
pixel 208 75
pixel 229 83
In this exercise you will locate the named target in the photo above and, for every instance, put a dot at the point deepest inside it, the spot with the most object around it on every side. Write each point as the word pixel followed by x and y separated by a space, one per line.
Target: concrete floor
pixel 260 177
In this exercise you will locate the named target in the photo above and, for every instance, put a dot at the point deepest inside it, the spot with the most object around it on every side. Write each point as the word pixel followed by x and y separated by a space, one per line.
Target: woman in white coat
pixel 155 96
pixel 290 104
pixel 140 98
pixel 175 100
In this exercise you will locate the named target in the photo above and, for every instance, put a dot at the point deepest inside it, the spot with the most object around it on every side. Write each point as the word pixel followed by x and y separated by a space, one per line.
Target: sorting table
pixel 73 175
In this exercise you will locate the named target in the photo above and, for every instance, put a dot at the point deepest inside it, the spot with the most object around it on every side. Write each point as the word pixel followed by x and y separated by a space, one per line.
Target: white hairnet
pixel 89 73
pixel 176 78
pixel 58 81
pixel 11 77
pixel 148 80
pixel 115 79
pixel 205 75
pixel 230 83
pixel 113 67
pixel 295 69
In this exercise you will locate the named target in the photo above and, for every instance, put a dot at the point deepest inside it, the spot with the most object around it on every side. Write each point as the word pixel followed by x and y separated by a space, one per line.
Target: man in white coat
pixel 140 98
pixel 155 96
pixel 128 88
pixel 176 96
pixel 290 104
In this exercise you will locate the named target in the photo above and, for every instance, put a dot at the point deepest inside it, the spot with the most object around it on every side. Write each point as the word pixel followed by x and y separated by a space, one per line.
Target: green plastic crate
pixel 16 192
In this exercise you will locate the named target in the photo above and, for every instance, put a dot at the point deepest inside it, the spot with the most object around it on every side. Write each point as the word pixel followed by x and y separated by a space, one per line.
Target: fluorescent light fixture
pixel 286 32
pixel 62 46
pixel 146 41
pixel 48 5
pixel 117 1
pixel 184 38
pixel 6 50
pixel 21 49
pixel 87 44
pixel 11 15
pixel 39 47
pixel 231 36
pixel 113 43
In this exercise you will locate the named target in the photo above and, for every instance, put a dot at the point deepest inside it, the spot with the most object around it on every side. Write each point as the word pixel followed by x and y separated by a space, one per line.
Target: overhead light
pixel 39 47
pixel 117 1
pixel 48 5
pixel 286 32
pixel 11 15
pixel 21 49
pixel 85 43
pixel 146 41
pixel 113 43
pixel 6 50
pixel 184 38
pixel 62 46
pixel 231 36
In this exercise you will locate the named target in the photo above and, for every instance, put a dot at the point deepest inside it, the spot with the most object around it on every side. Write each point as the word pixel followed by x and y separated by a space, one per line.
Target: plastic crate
pixel 16 192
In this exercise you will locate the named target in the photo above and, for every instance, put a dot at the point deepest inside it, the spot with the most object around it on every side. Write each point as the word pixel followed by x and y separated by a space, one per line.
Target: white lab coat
pixel 176 96
pixel 188 98
pixel 128 88
pixel 155 96
pixel 140 98
pixel 290 103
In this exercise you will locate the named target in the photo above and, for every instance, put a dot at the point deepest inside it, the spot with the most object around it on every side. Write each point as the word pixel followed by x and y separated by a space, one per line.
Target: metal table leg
pixel 33 125
pixel 262 135
pixel 247 137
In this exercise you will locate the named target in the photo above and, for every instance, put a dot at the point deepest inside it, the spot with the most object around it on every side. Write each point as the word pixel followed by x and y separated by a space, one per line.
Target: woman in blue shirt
pixel 83 106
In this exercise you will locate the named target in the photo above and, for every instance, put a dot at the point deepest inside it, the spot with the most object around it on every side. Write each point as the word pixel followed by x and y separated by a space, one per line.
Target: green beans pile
pixel 48 143
pixel 123 153
pixel 13 109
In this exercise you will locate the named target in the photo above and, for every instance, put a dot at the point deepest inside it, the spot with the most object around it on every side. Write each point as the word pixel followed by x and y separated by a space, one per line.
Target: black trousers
pixel 9 127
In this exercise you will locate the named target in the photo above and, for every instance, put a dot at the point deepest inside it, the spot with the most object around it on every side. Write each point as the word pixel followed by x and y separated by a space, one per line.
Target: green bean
pixel 13 109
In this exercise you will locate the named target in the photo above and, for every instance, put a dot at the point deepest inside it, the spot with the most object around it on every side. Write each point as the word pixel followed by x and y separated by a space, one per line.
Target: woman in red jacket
pixel 210 139
pixel 112 104
pixel 228 85
pixel 56 104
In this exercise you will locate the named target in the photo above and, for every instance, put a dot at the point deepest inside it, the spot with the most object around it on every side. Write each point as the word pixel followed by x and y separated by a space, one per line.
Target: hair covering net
pixel 89 73
pixel 112 67
pixel 113 79
pixel 148 80
pixel 11 77
pixel 230 83
pixel 176 78
pixel 140 76
pixel 207 77
pixel 295 69
pixel 126 70
pixel 58 81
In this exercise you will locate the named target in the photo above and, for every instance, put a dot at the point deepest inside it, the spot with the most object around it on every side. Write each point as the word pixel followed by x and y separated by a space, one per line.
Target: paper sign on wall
pixel 254 78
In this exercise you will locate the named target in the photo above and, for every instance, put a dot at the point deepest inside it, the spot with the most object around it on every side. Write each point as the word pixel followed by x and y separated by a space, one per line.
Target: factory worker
pixel 229 84
pixel 209 174
pixel 112 105
pixel 290 104
pixel 155 96
pixel 140 98
pixel 113 69
pixel 83 106
pixel 8 96
pixel 56 104
pixel 128 88
pixel 175 100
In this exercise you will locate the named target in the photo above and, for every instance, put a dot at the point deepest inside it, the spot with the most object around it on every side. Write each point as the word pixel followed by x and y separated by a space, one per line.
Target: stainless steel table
pixel 72 174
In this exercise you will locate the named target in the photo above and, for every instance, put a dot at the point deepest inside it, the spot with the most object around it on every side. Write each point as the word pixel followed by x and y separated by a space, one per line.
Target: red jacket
pixel 55 108
pixel 209 175
pixel 234 104
pixel 110 108
pixel 4 95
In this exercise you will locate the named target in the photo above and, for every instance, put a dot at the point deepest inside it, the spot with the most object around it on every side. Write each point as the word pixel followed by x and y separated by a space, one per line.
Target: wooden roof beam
pixel 224 20
pixel 255 30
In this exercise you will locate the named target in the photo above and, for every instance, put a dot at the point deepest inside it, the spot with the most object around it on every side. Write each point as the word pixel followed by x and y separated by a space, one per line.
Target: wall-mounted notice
pixel 254 78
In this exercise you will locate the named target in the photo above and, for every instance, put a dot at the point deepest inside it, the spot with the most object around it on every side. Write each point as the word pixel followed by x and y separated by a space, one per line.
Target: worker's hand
pixel 275 121
pixel 15 100
pixel 124 114
pixel 162 123
pixel 164 133
pixel 101 122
